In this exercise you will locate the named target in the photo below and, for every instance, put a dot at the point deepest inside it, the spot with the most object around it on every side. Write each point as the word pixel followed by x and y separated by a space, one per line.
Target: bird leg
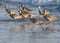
pixel 32 28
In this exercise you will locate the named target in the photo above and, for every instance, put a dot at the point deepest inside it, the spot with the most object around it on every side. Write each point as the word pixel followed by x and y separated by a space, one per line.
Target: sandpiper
pixel 46 15
pixel 50 18
pixel 36 20
pixel 23 9
pixel 27 15
pixel 12 13
pixel 42 12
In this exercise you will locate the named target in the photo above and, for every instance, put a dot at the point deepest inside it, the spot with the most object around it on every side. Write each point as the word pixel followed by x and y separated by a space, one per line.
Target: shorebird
pixel 23 9
pixel 12 13
pixel 42 12
pixel 27 15
pixel 50 18
pixel 46 15
pixel 36 21
pixel 25 12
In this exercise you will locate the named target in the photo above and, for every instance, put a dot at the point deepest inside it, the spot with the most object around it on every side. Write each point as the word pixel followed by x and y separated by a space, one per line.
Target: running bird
pixel 50 18
pixel 12 13
pixel 27 15
pixel 23 9
pixel 46 15
pixel 25 12
pixel 36 20
pixel 42 12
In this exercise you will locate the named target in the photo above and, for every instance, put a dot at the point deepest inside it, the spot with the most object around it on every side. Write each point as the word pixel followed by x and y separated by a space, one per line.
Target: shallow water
pixel 19 31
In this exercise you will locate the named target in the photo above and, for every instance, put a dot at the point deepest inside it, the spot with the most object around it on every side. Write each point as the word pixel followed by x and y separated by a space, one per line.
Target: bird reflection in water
pixel 49 27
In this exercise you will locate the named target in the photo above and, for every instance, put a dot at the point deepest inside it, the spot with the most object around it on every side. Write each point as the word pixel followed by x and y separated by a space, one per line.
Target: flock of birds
pixel 27 13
